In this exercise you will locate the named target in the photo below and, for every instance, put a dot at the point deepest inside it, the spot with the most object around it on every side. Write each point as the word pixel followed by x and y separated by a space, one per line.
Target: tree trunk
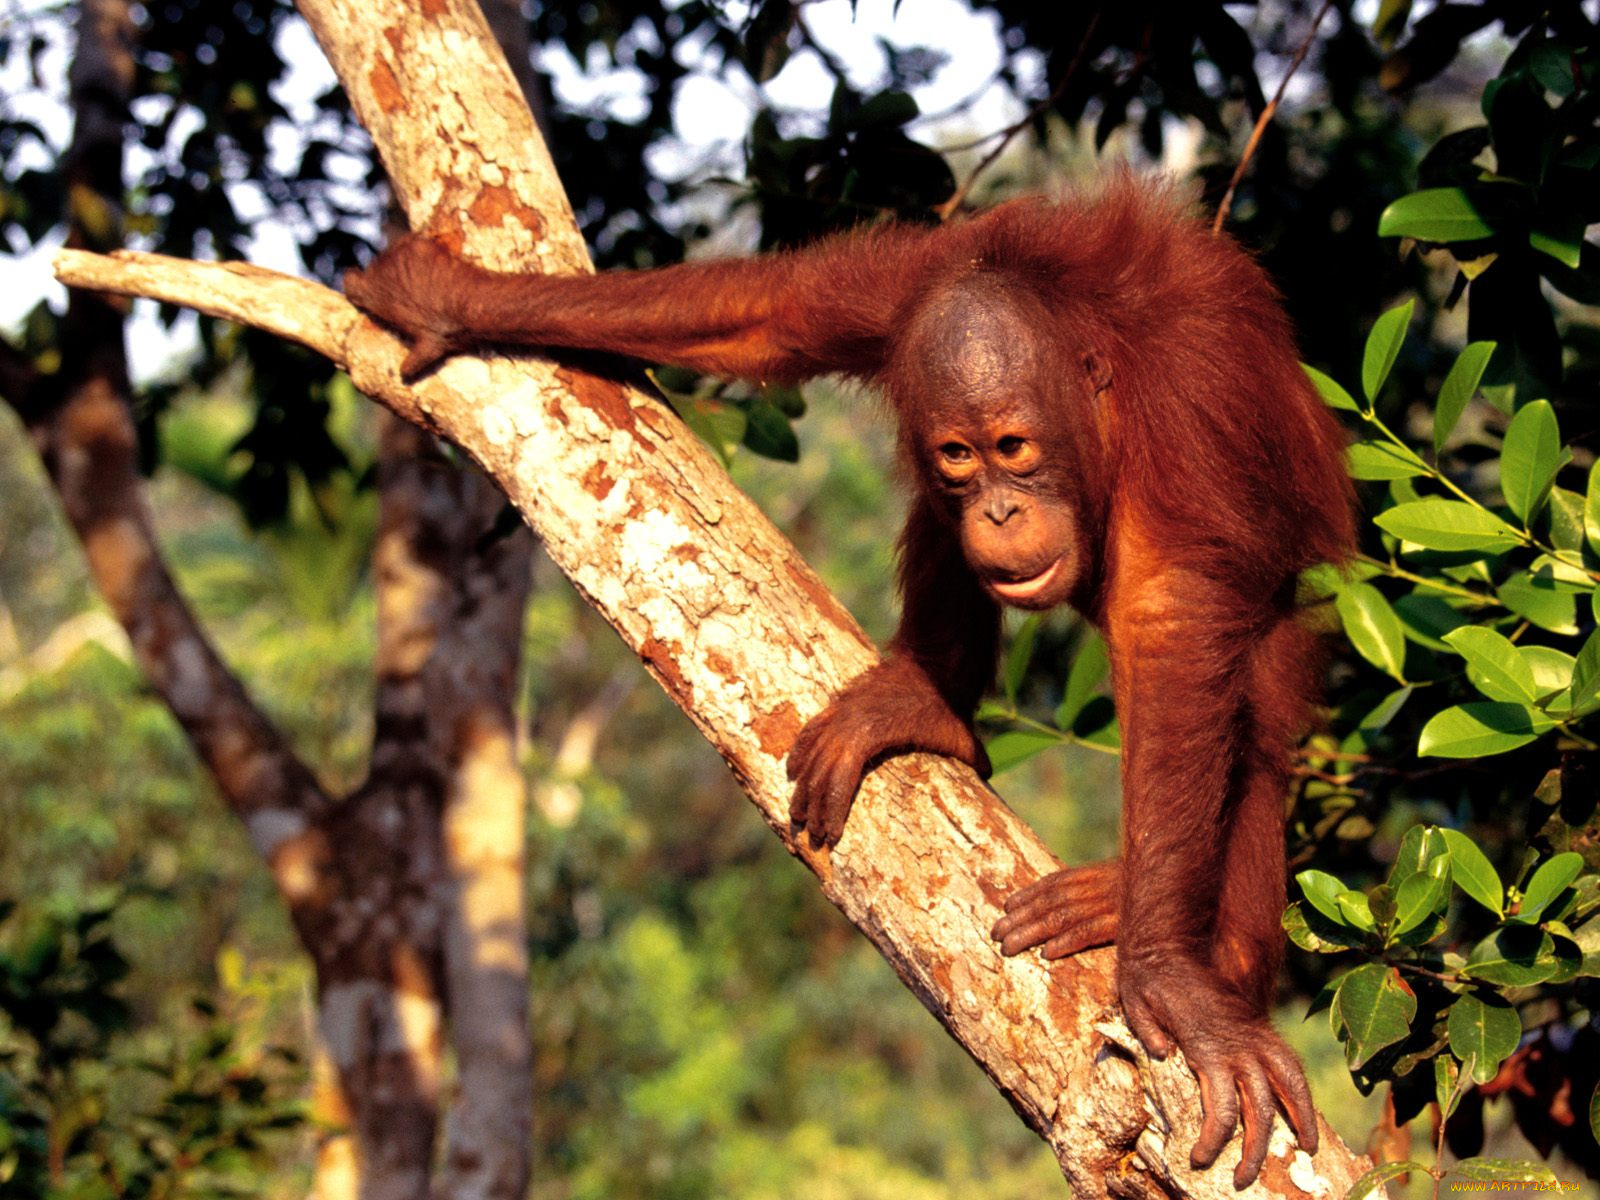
pixel 735 627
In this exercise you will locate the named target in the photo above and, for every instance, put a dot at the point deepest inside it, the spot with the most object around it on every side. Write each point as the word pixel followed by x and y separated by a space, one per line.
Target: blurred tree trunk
pixel 407 894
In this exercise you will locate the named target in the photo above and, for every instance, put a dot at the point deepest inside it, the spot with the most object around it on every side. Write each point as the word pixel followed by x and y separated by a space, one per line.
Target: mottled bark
pixel 512 34
pixel 736 628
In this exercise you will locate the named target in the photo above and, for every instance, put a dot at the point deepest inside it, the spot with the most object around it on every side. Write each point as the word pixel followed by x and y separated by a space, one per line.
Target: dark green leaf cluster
pixel 863 165
pixel 1502 596
pixel 1426 997
pixel 1140 66
pixel 1510 198
pixel 88 1109
pixel 207 112
pixel 1492 636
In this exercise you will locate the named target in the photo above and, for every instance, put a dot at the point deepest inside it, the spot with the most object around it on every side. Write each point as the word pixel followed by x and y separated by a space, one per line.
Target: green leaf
pixel 1421 850
pixel 1493 664
pixel 1472 872
pixel 1323 891
pixel 1447 525
pixel 1549 881
pixel 1402 491
pixel 1458 388
pixel 769 433
pixel 1480 729
pixel 1565 958
pixel 1375 1006
pixel 1107 735
pixel 1383 347
pixel 1586 676
pixel 1388 25
pixel 1553 670
pixel 1487 1029
pixel 1356 909
pixel 1552 677
pixel 1379 902
pixel 1427 618
pixel 1420 896
pixel 1321 582
pixel 1314 932
pixel 1503 1170
pixel 1333 395
pixel 717 423
pixel 1594 1113
pixel 1542 601
pixel 1323 1001
pixel 1446 1080
pixel 1018 655
pixel 1432 927
pixel 991 711
pixel 1550 62
pixel 1383 460
pixel 1563 247
pixel 1566 520
pixel 1530 458
pixel 1375 721
pixel 1514 956
pixel 1586 901
pixel 1434 215
pixel 1373 628
pixel 1089 666
pixel 1378 1176
pixel 1591 509
pixel 1548 571
pixel 891 109
pixel 1015 746
pixel 1380 714
pixel 786 398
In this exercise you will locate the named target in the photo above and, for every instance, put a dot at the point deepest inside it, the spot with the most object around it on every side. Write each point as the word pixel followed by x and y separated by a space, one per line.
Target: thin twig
pixel 945 210
pixel 1266 117
pixel 1426 972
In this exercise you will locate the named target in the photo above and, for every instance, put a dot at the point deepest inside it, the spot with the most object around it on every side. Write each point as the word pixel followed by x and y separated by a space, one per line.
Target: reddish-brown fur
pixel 1099 403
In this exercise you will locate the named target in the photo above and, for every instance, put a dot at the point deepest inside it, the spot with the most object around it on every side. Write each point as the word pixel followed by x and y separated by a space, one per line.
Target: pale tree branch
pixel 721 609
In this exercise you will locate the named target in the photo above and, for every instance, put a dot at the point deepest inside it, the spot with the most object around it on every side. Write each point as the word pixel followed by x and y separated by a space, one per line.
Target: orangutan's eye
pixel 1020 455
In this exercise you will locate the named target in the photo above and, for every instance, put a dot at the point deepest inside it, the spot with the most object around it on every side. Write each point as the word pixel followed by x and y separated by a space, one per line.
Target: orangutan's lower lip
pixel 1022 590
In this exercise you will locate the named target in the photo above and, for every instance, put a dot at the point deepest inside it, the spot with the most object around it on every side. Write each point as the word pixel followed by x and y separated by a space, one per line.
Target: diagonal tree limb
pixel 725 615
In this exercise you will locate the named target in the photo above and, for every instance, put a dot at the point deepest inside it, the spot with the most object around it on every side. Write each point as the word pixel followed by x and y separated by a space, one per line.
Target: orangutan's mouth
pixel 1020 591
